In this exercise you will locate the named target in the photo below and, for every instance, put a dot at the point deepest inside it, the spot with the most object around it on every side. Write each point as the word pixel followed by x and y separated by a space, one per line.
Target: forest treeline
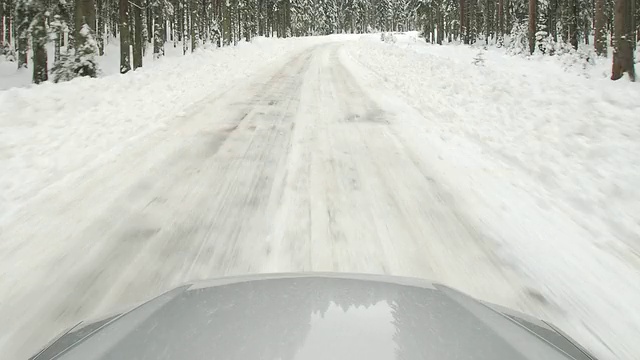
pixel 79 29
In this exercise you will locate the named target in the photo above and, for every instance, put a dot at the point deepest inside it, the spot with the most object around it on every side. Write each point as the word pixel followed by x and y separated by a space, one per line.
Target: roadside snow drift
pixel 56 131
pixel 547 160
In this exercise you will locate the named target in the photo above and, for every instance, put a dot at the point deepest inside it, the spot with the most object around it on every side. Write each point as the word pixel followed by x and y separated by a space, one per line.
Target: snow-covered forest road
pixel 308 164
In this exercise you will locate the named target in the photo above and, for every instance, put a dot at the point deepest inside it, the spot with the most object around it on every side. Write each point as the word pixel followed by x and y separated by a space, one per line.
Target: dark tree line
pixel 79 29
pixel 608 22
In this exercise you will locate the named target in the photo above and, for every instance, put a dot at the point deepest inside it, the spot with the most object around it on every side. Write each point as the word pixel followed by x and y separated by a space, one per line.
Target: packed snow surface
pixel 513 179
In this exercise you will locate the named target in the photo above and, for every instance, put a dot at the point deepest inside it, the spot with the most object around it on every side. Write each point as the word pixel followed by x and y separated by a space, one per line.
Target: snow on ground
pixel 547 159
pixel 54 131
pixel 108 64
pixel 512 181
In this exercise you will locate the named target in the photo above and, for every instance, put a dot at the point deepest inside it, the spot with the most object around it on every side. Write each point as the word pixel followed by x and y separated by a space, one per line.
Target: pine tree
pixel 383 15
pixel 537 24
pixel 85 43
pixel 86 52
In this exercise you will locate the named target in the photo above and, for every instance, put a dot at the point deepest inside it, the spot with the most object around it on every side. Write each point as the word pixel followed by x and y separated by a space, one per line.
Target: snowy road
pixel 308 164
pixel 299 170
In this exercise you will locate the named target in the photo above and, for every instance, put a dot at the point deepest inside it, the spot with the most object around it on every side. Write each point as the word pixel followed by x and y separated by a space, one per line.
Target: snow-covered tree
pixel 383 15
pixel 86 52
pixel 557 25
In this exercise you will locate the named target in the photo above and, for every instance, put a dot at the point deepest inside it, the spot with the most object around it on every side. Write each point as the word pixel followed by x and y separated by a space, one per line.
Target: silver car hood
pixel 314 316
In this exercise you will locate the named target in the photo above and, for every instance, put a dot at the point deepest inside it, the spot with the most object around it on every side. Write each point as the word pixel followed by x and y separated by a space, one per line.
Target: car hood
pixel 314 316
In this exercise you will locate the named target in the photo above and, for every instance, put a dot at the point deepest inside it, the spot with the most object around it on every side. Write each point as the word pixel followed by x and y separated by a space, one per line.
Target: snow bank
pixel 53 131
pixel 109 63
pixel 547 160
pixel 577 137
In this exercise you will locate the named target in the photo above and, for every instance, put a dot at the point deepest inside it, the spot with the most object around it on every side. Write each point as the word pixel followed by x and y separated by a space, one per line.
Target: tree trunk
pixel 471 21
pixel 440 27
pixel 7 21
pixel 501 30
pixel 131 21
pixel 158 33
pixel 100 27
pixel 227 24
pixel 192 26
pixel 486 20
pixel 587 30
pixel 573 23
pixel 532 25
pixel 23 20
pixel 552 16
pixel 463 33
pixel 634 28
pixel 433 20
pixel 125 63
pixel 2 27
pixel 149 19
pixel 507 17
pixel 57 44
pixel 85 14
pixel 623 47
pixel 71 24
pixel 179 15
pixel 137 37
pixel 565 20
pixel 39 41
pixel 185 28
pixel 205 21
pixel 115 22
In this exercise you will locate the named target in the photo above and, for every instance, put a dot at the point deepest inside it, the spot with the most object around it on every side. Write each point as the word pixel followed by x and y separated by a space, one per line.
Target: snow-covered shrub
pixel 479 59
pixel 65 68
pixel 9 52
pixel 388 38
pixel 86 54
pixel 518 42
pixel 582 60
pixel 544 43
pixel 81 62
pixel 564 48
